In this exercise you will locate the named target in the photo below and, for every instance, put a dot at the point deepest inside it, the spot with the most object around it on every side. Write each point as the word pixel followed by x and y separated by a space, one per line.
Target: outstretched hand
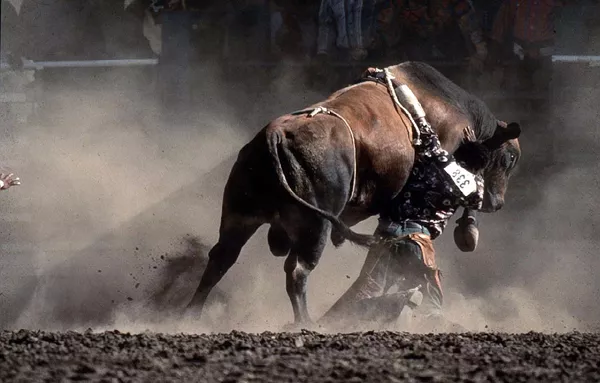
pixel 8 180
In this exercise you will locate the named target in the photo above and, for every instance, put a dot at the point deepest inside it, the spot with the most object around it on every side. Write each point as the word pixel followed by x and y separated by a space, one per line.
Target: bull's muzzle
pixel 492 203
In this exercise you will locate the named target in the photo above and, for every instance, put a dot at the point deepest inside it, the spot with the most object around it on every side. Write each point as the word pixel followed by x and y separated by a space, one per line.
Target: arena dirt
pixel 298 357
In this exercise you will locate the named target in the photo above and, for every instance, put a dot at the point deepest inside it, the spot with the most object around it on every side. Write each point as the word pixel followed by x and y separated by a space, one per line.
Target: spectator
pixel 209 23
pixel 157 6
pixel 486 11
pixel 295 26
pixel 122 26
pixel 60 30
pixel 593 28
pixel 387 32
pixel 524 29
pixel 11 34
pixel 249 29
pixel 349 23
pixel 449 27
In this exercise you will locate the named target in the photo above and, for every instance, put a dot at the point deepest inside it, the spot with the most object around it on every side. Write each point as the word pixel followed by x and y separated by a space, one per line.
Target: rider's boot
pixel 429 317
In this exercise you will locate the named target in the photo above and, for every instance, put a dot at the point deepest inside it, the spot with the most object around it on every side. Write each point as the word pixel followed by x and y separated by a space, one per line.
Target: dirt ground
pixel 298 357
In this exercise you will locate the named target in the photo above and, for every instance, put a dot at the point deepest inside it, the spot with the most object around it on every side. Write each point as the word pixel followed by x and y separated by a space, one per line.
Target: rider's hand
pixel 7 180
pixel 466 234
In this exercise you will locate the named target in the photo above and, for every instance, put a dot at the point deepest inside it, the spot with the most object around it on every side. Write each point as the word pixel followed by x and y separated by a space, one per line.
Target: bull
pixel 338 163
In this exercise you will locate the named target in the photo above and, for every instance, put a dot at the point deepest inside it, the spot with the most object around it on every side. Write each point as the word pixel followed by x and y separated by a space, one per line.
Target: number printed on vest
pixel 462 178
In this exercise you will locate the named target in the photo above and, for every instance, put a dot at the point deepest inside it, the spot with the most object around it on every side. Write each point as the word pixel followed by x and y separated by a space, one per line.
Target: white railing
pixel 591 60
pixel 39 65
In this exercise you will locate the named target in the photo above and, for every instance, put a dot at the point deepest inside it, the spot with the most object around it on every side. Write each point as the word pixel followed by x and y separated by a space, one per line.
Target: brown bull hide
pixel 296 174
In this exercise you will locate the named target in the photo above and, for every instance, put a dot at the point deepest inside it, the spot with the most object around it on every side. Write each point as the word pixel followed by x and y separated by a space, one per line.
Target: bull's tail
pixel 273 141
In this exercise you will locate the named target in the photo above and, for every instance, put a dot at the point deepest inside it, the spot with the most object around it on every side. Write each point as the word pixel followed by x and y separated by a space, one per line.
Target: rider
pixel 438 185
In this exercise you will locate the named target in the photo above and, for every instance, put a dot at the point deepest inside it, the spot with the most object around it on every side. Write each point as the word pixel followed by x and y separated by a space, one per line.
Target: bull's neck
pixel 450 138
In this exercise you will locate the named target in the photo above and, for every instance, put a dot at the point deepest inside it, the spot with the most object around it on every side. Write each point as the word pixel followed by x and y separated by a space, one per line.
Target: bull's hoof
pixel 337 239
pixel 192 310
pixel 297 327
pixel 436 324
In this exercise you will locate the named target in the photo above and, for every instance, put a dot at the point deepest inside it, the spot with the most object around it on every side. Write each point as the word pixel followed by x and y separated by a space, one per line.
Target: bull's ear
pixel 503 133
pixel 513 131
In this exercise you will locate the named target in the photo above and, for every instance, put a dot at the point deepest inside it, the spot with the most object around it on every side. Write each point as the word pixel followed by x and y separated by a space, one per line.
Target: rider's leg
pixel 370 283
pixel 423 270
pixel 404 254
pixel 420 269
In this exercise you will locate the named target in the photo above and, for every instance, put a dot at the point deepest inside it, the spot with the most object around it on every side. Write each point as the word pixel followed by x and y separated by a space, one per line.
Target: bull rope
pixel 388 79
pixel 322 109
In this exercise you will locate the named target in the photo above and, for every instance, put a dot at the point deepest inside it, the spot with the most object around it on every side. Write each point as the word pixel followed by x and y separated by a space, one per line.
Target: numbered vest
pixel 462 178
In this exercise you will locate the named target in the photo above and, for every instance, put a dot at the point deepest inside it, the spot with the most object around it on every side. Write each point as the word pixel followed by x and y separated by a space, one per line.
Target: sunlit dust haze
pixel 119 206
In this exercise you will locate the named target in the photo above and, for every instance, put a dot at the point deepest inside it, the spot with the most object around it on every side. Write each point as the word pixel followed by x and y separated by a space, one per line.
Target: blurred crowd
pixel 479 35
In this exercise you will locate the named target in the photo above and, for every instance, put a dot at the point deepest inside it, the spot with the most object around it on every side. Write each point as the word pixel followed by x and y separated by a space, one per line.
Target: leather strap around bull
pixel 386 78
pixel 321 109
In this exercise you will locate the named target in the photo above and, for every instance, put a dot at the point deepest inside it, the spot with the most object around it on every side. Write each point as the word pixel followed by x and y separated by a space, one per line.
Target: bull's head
pixel 505 154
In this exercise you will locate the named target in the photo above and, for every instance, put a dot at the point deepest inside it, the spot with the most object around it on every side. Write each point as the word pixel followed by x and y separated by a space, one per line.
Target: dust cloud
pixel 537 266
pixel 119 207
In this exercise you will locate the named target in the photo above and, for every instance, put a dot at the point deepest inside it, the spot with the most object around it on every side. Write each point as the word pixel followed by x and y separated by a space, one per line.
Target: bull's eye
pixel 509 160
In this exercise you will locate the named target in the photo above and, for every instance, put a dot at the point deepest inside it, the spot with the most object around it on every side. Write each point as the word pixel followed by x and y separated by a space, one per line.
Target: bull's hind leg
pixel 222 256
pixel 304 257
pixel 279 241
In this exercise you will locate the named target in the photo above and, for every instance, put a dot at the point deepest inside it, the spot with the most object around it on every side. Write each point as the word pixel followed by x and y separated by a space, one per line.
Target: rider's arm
pixel 474 157
pixel 466 233
pixel 475 200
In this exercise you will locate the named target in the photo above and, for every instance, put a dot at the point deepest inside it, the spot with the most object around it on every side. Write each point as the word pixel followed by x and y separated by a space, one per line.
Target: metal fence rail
pixel 39 65
pixel 591 60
